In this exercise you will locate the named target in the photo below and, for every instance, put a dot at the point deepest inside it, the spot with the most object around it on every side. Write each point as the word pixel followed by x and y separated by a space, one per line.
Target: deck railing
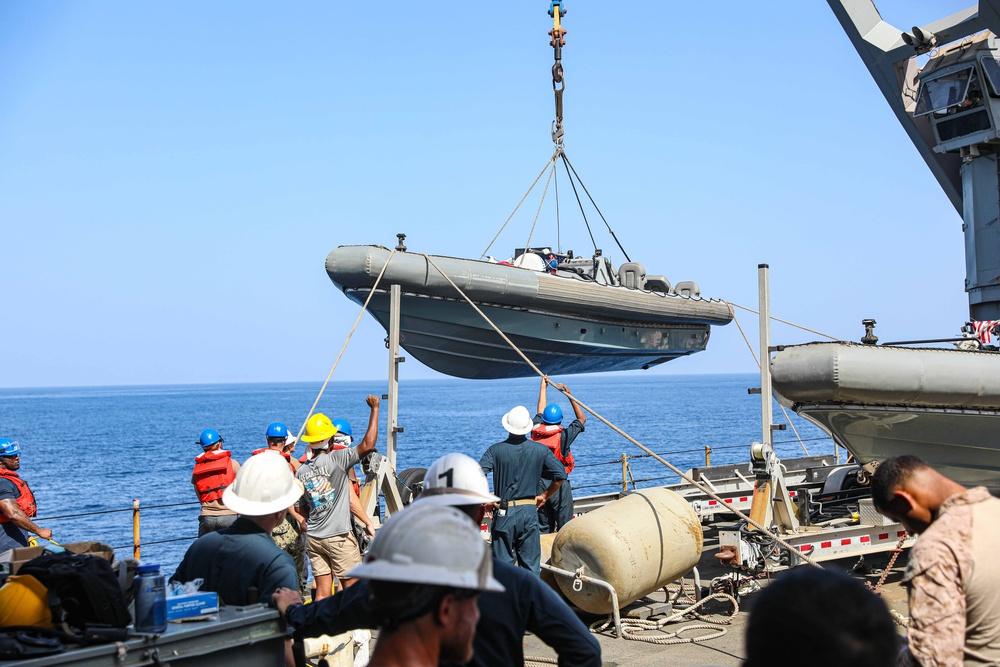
pixel 136 509
pixel 624 462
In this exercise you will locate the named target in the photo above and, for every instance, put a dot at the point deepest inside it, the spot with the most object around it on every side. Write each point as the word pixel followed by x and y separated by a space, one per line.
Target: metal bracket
pixel 579 579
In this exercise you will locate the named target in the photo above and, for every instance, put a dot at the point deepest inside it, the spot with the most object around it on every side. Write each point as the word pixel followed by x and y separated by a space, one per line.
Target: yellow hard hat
pixel 319 428
pixel 24 601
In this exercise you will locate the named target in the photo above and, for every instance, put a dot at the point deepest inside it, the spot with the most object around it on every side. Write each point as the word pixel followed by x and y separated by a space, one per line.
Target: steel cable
pixel 594 204
pixel 530 188
pixel 124 509
pixel 778 319
pixel 146 544
pixel 579 203
pixel 538 212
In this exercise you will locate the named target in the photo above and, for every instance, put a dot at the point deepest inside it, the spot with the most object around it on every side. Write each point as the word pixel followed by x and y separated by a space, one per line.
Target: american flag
pixel 984 330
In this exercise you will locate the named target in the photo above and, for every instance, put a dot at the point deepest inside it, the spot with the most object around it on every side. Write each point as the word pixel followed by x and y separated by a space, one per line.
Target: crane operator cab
pixel 959 90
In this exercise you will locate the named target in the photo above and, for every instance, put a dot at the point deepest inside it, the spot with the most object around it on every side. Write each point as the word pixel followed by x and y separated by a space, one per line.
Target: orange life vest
pixel 26 499
pixel 213 472
pixel 288 457
pixel 550 435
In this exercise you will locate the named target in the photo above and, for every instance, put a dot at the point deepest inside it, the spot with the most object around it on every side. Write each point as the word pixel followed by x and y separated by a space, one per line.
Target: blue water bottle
pixel 150 600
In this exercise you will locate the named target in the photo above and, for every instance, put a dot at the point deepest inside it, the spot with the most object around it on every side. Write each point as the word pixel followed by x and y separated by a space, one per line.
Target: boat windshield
pixel 943 92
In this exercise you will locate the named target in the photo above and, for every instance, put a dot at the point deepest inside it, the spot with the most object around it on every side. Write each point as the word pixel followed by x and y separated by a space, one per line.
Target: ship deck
pixel 729 648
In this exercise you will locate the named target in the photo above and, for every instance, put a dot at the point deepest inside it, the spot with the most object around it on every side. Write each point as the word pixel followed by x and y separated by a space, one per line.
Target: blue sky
pixel 172 175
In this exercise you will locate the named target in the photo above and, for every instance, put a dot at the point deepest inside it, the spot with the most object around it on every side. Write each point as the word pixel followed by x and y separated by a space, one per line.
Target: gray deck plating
pixel 729 649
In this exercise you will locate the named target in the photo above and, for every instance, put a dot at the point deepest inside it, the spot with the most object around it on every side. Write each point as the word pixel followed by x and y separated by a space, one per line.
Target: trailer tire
pixel 410 483
pixel 842 478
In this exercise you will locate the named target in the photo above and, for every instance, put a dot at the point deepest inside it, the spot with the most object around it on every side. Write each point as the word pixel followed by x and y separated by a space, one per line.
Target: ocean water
pixel 91 451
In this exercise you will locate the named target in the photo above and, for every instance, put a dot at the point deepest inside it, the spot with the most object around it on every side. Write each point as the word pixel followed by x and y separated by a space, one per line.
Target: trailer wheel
pixel 410 483
pixel 842 478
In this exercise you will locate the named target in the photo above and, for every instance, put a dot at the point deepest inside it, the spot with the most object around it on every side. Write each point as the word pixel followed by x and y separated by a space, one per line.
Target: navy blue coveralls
pixel 236 561
pixel 517 465
pixel 527 603
pixel 558 509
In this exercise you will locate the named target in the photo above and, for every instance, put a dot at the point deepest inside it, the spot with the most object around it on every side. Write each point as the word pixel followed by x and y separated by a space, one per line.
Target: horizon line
pixel 319 382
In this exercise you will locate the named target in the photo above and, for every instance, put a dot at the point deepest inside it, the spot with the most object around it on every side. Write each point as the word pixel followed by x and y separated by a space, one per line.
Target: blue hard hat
pixel 552 414
pixel 343 427
pixel 208 437
pixel 9 447
pixel 277 430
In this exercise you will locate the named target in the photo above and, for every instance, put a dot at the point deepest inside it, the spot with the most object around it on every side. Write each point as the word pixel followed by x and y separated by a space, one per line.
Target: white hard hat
pixel 431 545
pixel 264 485
pixel 456 479
pixel 518 421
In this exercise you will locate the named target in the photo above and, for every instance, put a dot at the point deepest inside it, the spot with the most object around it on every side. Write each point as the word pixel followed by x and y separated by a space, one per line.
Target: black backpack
pixel 83 590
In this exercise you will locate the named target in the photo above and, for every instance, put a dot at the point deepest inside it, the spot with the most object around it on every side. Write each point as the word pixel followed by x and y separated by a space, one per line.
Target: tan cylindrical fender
pixel 637 544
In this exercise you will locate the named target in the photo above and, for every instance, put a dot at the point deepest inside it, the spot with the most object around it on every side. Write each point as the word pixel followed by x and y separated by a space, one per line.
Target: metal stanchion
pixel 135 528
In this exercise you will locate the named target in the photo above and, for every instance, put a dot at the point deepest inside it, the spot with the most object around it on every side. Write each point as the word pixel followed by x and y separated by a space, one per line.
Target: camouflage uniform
pixel 287 536
pixel 952 578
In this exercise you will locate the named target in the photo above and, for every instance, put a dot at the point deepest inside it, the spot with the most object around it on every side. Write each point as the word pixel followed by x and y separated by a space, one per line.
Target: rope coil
pixel 632 627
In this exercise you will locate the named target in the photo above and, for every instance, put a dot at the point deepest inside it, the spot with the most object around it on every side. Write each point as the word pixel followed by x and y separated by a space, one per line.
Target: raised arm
pixel 577 410
pixel 541 395
pixel 371 435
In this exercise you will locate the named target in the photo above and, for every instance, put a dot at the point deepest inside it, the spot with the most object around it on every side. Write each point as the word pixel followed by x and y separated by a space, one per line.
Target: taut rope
pixel 673 468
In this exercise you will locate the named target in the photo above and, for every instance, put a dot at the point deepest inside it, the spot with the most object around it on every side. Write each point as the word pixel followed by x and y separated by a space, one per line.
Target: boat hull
pixel 939 404
pixel 450 337
pixel 563 326
pixel 961 444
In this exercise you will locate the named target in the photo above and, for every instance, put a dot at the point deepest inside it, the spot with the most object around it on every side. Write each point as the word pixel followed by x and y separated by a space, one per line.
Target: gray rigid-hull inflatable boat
pixel 568 315
pixel 939 404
